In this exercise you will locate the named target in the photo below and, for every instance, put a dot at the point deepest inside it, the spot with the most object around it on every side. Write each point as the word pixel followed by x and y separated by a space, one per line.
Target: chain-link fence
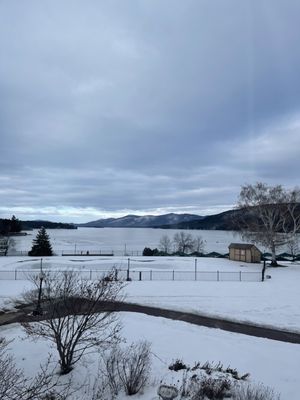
pixel 144 275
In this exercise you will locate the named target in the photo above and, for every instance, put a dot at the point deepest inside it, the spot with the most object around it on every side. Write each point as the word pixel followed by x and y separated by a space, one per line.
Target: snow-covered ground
pixel 274 363
pixel 274 302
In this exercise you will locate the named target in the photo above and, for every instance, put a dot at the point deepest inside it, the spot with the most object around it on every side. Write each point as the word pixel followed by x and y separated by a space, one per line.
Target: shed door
pixel 243 255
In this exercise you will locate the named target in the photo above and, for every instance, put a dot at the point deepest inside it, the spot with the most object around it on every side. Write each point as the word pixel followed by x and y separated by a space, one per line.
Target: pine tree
pixel 15 225
pixel 41 245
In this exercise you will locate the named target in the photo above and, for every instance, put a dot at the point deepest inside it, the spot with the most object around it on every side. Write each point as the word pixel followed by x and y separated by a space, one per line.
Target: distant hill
pixel 37 224
pixel 230 220
pixel 147 221
pixel 224 221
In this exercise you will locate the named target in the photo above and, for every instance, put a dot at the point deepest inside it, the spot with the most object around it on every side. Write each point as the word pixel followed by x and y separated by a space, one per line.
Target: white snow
pixel 274 363
pixel 274 302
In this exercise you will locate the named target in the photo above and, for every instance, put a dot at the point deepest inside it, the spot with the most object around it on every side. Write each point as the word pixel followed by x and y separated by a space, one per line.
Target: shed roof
pixel 243 246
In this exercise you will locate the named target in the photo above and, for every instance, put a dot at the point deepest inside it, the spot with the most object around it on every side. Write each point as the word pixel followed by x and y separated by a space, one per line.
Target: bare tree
pixel 11 376
pixel 14 385
pixel 75 317
pixel 199 244
pixel 183 242
pixel 293 246
pixel 269 215
pixel 165 244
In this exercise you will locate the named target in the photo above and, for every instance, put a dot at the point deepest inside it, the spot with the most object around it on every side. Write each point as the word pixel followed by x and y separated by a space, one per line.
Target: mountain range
pixel 221 221
pixel 146 221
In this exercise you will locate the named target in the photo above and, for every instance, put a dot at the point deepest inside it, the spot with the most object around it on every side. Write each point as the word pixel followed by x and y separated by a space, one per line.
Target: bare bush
pixel 15 386
pixel 127 368
pixel 210 388
pixel 110 370
pixel 78 315
pixel 11 377
pixel 133 365
pixel 254 392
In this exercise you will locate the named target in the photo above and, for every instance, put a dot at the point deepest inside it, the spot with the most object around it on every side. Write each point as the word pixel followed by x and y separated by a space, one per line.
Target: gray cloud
pixel 145 106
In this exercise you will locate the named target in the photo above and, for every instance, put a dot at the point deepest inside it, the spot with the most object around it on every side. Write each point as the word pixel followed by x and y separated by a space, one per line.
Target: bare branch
pixel 71 319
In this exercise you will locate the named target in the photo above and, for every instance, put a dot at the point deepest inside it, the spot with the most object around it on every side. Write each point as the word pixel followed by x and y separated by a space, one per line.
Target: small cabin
pixel 244 252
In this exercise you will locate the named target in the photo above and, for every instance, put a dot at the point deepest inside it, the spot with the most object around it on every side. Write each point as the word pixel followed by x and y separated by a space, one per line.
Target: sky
pixel 119 107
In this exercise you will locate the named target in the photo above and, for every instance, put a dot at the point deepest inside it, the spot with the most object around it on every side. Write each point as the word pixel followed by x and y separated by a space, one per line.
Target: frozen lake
pixel 121 240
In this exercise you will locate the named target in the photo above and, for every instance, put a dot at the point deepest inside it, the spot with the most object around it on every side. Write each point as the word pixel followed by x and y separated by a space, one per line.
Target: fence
pixel 145 275
pixel 72 253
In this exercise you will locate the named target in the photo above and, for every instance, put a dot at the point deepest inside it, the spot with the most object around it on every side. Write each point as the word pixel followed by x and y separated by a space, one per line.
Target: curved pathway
pixel 24 315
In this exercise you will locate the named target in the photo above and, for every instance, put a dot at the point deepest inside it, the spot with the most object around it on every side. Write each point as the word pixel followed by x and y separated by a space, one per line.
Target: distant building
pixel 244 252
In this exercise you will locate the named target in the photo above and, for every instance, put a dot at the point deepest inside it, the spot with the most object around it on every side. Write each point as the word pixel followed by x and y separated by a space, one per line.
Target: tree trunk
pixel 273 260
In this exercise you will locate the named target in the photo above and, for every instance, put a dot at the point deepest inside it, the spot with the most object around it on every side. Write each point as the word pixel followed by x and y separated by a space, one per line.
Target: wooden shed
pixel 244 252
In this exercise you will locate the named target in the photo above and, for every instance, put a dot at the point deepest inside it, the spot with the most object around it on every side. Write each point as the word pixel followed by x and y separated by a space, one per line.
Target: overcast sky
pixel 145 106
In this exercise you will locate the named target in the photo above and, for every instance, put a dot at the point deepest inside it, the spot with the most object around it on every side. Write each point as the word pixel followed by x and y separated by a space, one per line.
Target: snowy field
pixel 274 302
pixel 274 363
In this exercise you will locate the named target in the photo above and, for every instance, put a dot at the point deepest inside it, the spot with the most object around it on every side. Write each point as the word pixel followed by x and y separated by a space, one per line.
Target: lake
pixel 122 240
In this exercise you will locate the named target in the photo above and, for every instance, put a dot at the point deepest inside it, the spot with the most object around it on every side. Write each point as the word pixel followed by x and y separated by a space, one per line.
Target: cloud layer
pixel 145 106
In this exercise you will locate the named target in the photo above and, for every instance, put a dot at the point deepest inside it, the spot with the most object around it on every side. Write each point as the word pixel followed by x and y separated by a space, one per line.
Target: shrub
pixel 177 365
pixel 254 392
pixel 147 252
pixel 152 252
pixel 133 367
pixel 210 388
pixel 128 368
pixel 110 370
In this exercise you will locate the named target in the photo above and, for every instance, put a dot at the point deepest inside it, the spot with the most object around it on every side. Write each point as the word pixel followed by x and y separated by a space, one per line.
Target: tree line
pixel 182 243
pixel 8 226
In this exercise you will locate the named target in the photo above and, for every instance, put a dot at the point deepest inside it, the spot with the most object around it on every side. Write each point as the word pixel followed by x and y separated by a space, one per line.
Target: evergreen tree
pixel 41 245
pixel 15 225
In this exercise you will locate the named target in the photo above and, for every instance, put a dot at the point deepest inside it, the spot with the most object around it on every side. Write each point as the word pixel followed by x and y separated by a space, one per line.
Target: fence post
pixel 173 275
pixel 15 274
pixel 140 275
pixel 240 276
pixel 90 274
pixel 151 275
pixel 128 269
pixel 263 272
pixel 218 276
pixel 195 269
